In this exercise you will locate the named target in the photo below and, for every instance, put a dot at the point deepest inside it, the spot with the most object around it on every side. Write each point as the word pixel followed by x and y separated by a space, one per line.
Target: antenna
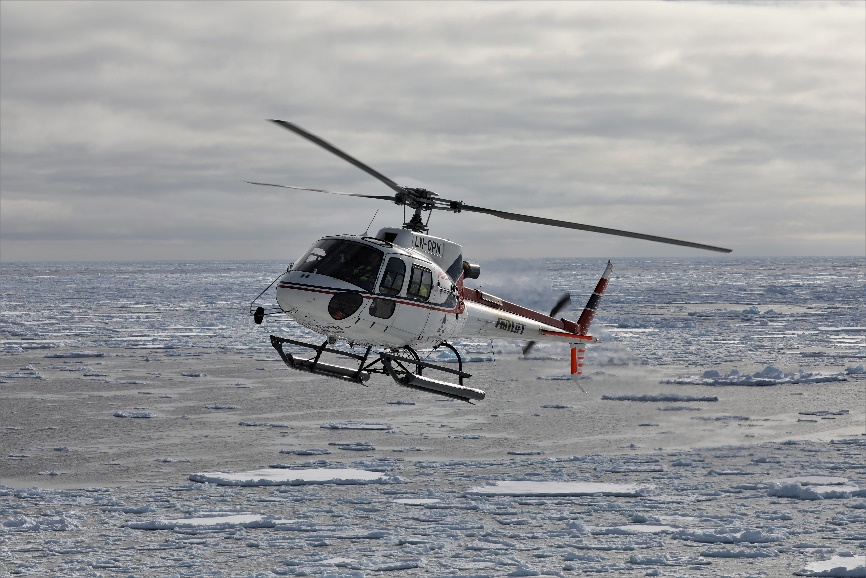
pixel 371 222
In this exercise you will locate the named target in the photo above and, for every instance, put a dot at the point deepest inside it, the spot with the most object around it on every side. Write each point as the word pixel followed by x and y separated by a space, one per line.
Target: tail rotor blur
pixel 564 301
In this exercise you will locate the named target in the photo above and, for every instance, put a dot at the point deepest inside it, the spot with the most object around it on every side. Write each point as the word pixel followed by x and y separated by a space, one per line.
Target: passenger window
pixel 392 280
pixel 382 308
pixel 420 283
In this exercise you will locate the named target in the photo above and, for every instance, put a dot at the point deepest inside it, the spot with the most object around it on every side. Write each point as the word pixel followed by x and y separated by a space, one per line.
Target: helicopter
pixel 403 289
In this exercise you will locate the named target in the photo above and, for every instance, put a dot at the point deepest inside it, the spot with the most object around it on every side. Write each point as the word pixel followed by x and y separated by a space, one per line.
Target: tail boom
pixel 490 316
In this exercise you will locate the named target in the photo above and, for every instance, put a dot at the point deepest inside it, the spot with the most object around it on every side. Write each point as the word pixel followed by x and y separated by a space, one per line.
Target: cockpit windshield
pixel 348 261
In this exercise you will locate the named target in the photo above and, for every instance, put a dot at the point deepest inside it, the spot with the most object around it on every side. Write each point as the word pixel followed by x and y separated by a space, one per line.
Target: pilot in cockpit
pixel 364 273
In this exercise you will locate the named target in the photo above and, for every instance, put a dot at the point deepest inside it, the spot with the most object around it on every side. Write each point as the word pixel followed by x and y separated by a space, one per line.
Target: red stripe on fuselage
pixel 455 310
pixel 567 335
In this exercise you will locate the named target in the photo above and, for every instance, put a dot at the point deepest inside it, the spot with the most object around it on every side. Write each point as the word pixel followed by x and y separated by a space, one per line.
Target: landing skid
pixel 395 366
pixel 406 371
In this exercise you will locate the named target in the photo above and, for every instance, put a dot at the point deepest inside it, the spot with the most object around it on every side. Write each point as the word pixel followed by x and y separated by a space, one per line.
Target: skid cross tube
pixel 459 359
pixel 411 361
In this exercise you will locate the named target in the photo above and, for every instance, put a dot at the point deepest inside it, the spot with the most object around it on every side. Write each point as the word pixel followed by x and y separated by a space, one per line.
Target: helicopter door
pixel 418 292
pixel 397 311
pixel 390 286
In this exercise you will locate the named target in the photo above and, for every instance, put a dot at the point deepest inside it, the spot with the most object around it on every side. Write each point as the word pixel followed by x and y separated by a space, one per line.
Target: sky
pixel 127 129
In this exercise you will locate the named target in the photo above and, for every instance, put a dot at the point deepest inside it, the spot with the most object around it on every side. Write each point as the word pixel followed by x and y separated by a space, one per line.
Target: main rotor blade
pixel 382 197
pixel 348 158
pixel 591 228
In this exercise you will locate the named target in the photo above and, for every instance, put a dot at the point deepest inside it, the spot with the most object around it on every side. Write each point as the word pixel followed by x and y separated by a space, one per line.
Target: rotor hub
pixel 422 200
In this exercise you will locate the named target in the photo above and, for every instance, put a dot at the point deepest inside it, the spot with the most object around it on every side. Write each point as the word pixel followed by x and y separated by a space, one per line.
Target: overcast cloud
pixel 127 129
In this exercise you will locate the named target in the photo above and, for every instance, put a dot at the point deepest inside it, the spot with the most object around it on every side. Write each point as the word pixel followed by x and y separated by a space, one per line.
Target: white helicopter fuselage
pixel 399 289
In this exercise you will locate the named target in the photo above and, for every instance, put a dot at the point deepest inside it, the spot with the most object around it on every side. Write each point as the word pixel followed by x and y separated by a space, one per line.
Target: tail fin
pixel 577 349
pixel 594 301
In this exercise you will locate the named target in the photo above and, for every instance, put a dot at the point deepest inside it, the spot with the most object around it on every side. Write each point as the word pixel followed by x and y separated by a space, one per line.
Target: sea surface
pixel 147 428
pixel 699 312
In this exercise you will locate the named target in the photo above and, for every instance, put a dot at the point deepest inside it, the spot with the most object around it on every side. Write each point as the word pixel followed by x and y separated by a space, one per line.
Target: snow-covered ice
pixel 661 397
pixel 767 376
pixel 285 477
pixel 356 425
pixel 534 488
pixel 836 567
pixel 211 523
pixel 245 468
pixel 135 414
pixel 815 488
pixel 306 452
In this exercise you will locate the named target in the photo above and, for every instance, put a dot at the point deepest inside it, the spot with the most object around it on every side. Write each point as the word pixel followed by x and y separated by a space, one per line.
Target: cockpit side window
pixel 311 258
pixel 392 280
pixel 348 261
pixel 420 283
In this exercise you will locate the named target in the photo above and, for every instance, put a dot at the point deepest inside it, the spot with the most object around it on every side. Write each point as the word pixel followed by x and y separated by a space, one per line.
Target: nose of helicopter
pixel 317 301
pixel 295 295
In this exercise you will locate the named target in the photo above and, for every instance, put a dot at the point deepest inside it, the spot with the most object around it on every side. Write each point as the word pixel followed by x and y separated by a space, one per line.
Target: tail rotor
pixel 564 301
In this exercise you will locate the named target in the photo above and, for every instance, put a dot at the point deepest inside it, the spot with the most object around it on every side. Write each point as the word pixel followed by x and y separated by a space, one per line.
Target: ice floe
pixel 286 477
pixel 306 452
pixel 768 376
pixel 75 355
pixel 24 374
pixel 212 522
pixel 836 567
pixel 532 488
pixel 262 424
pixel 814 488
pixel 666 397
pixel 666 560
pixel 739 553
pixel 356 426
pixel 43 523
pixel 135 414
pixel 731 535
pixel 354 446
